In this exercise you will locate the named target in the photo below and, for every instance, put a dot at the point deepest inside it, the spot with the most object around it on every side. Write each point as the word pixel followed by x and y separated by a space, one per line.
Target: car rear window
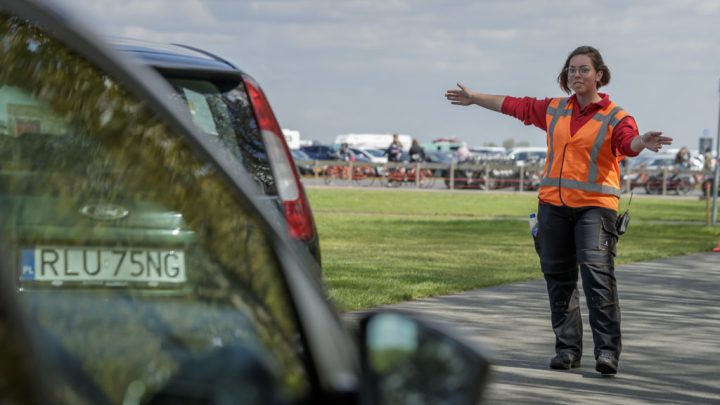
pixel 222 110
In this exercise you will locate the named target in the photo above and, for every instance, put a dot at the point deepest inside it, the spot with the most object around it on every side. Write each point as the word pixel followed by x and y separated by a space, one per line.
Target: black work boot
pixel 565 361
pixel 606 363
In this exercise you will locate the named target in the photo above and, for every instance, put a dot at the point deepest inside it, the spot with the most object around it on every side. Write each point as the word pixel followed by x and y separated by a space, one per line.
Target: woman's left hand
pixel 654 140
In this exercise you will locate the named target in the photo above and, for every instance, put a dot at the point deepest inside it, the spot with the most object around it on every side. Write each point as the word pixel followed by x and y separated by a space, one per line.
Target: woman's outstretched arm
pixel 465 96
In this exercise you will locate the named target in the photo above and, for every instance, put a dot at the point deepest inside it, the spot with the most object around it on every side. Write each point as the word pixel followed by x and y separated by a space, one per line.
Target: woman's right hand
pixel 464 96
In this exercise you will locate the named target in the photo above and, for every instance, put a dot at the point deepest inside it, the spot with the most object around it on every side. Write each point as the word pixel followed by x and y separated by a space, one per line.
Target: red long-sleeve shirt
pixel 532 111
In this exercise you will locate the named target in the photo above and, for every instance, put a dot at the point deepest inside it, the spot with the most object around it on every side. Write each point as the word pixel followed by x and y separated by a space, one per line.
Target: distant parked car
pixel 319 152
pixel 489 152
pixel 658 162
pixel 372 156
pixel 298 157
pixel 375 155
pixel 643 167
pixel 527 155
pixel 445 157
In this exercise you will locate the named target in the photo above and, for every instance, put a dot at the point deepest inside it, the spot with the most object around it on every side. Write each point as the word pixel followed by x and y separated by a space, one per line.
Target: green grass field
pixel 385 246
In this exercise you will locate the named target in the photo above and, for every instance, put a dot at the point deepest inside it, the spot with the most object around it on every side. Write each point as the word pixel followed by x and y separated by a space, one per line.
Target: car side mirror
pixel 406 360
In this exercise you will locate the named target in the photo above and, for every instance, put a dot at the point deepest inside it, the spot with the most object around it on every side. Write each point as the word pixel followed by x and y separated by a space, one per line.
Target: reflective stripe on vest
pixel 556 113
pixel 591 182
pixel 581 185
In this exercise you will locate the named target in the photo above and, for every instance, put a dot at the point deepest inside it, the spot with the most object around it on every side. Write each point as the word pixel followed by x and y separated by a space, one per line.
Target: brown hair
pixel 597 62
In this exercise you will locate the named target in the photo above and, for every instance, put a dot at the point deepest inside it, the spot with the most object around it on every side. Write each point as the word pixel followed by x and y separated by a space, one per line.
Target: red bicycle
pixel 361 175
pixel 395 177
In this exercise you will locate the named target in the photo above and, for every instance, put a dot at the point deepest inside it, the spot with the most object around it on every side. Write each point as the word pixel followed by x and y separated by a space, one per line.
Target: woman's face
pixel 582 77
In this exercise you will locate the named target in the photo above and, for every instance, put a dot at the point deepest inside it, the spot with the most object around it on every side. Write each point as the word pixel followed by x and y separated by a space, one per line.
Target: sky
pixel 333 67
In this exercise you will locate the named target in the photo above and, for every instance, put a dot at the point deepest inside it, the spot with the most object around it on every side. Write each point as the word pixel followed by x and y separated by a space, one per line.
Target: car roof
pixel 172 56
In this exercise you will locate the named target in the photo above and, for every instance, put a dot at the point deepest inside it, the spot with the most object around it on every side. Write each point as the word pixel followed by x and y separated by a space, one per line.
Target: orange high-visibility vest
pixel 581 170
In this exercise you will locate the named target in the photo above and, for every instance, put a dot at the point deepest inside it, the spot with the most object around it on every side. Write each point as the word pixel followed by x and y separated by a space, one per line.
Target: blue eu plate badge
pixel 27 265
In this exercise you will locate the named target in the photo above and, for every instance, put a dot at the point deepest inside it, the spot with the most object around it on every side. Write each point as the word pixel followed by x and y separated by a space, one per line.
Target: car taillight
pixel 294 201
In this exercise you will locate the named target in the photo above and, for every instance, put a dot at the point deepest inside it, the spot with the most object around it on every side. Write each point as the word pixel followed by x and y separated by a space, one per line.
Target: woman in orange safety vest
pixel 587 135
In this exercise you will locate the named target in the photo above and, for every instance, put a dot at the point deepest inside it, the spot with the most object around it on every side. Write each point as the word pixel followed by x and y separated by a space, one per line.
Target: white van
pixel 372 141
pixel 292 138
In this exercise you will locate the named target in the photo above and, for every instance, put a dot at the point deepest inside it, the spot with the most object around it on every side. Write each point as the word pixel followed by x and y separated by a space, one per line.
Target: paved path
pixel 671 337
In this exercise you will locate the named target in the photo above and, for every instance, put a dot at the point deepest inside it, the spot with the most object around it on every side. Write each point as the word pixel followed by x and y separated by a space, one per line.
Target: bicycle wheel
pixel 330 175
pixel 430 179
pixel 362 179
pixel 424 181
pixel 363 176
pixel 683 187
pixel 392 178
pixel 383 180
pixel 492 184
pixel 653 186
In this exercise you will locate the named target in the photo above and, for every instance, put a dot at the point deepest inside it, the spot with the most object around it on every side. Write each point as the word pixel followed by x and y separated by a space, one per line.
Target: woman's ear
pixel 598 76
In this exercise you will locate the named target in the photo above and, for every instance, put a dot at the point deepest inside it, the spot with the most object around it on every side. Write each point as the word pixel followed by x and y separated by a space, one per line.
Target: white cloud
pixel 706 7
pixel 114 15
pixel 386 63
pixel 492 34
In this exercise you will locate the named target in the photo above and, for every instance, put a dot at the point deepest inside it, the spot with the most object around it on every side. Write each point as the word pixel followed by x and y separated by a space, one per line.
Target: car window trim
pixel 210 74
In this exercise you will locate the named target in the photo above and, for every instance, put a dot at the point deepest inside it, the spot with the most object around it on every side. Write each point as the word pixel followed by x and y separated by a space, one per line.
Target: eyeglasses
pixel 583 70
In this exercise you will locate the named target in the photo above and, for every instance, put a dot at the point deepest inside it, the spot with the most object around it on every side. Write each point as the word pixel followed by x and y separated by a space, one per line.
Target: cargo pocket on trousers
pixel 608 236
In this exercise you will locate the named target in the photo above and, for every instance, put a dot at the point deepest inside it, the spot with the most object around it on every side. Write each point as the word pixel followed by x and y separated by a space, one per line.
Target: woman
pixel 394 151
pixel 587 135
pixel 417 153
pixel 682 158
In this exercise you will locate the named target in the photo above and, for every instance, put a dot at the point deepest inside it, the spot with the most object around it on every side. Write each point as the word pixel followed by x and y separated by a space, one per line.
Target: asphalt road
pixel 671 337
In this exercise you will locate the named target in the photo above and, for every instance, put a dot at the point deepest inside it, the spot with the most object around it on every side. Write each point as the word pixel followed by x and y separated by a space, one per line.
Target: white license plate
pixel 102 265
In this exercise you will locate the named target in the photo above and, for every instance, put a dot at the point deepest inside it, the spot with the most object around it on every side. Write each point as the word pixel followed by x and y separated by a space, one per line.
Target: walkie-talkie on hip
pixel 623 220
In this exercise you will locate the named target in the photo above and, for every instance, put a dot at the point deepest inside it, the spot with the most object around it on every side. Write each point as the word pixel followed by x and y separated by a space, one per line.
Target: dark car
pixel 229 106
pixel 439 158
pixel 643 168
pixel 303 162
pixel 137 264
pixel 319 152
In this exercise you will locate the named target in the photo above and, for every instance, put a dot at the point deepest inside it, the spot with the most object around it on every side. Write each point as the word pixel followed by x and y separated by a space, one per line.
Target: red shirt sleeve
pixel 530 111
pixel 622 136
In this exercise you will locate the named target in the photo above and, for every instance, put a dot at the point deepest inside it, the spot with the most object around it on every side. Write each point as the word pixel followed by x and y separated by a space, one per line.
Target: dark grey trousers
pixel 584 238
